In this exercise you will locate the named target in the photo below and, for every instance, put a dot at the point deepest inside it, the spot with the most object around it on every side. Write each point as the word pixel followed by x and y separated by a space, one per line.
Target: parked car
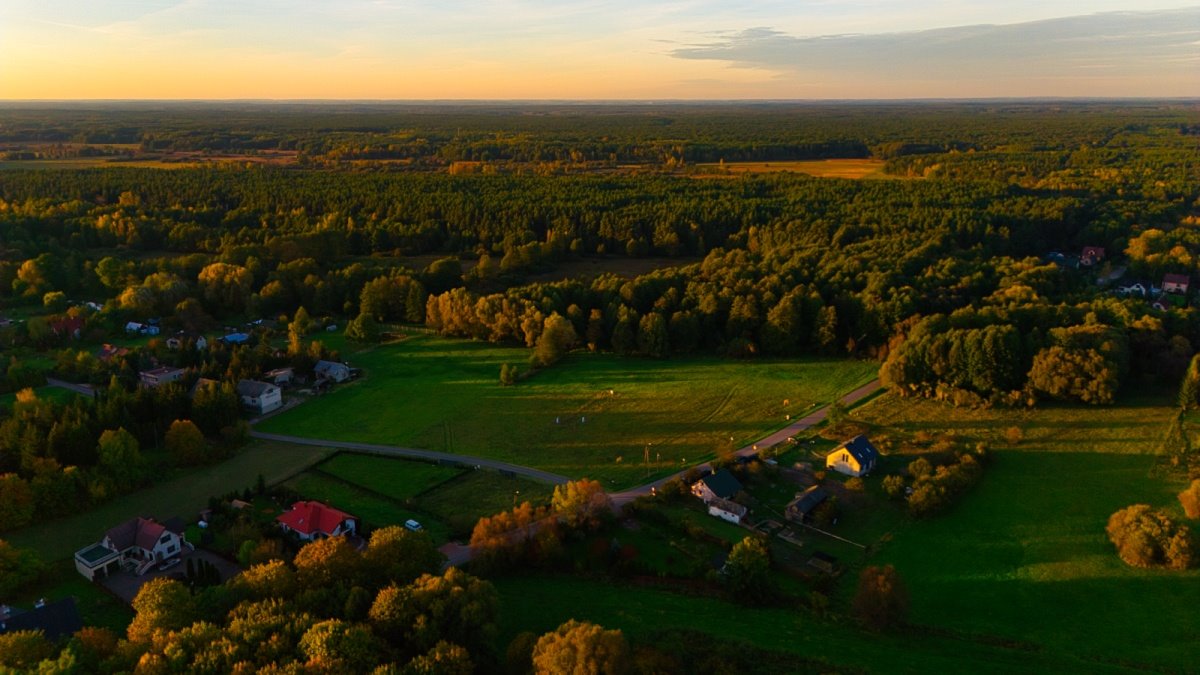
pixel 413 525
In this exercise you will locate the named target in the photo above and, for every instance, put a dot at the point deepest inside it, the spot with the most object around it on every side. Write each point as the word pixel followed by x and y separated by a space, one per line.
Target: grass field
pixel 184 495
pixel 441 394
pixel 395 478
pixel 462 501
pixel 389 491
pixel 821 168
pixel 1024 555
pixel 540 604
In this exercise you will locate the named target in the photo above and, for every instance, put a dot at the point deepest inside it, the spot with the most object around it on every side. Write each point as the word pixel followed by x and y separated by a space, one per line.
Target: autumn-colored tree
pixel 23 649
pixel 271 628
pixel 556 339
pixel 341 646
pixel 186 443
pixel 1082 374
pixel 1190 500
pixel 397 555
pixel 881 600
pixel 162 604
pixel 326 562
pixel 1145 537
pixel 581 503
pixel 445 658
pixel 455 606
pixel 226 287
pixel 581 648
pixel 1189 389
pixel 272 579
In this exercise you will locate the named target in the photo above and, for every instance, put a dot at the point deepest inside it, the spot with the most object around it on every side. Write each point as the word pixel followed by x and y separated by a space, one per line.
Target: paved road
pixel 85 389
pixel 396 451
pixel 813 418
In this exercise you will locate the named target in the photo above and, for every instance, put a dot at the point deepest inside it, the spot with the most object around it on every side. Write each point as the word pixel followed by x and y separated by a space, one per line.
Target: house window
pixel 165 539
pixel 171 549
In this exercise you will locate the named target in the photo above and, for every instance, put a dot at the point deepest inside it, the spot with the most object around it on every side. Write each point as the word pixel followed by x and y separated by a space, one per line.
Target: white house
pixel 855 457
pixel 178 340
pixel 727 510
pixel 261 397
pixel 139 544
pixel 330 370
pixel 160 376
pixel 280 376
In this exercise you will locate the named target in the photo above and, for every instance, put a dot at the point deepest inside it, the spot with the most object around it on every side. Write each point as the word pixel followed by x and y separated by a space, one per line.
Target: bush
pixel 856 484
pixel 1149 538
pixel 1190 500
pixel 893 486
pixel 934 489
pixel 881 600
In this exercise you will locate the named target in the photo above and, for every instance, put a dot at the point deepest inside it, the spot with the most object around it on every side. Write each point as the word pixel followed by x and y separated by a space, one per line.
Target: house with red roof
pixel 314 520
pixel 67 326
pixel 1176 283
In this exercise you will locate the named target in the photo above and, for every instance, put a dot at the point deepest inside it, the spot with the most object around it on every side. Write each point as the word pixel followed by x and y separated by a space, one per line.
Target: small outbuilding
pixel 160 376
pixel 800 509
pixel 727 510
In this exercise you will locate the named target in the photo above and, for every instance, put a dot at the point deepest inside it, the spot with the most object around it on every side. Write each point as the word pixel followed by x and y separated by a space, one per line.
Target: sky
pixel 598 50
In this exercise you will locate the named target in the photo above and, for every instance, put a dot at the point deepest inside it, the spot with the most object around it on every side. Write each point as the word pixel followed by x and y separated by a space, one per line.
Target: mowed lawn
pixel 1024 556
pixel 593 415
pixel 395 478
pixel 540 604
pixel 184 495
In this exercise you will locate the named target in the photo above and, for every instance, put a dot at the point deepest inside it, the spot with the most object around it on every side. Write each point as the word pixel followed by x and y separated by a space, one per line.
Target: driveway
pixel 126 586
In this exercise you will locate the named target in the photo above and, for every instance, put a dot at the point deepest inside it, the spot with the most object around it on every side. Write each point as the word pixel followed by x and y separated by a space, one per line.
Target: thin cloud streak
pixel 1157 46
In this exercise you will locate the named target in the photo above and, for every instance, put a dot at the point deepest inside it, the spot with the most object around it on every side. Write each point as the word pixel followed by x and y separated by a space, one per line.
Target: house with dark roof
pixel 260 397
pixel 137 544
pixel 855 457
pixel 157 377
pixel 1176 283
pixel 720 485
pixel 800 509
pixel 314 520
pixel 727 510
pixel 56 619
pixel 280 376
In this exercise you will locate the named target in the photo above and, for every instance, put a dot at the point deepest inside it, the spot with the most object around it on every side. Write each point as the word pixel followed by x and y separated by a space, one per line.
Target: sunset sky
pixel 571 49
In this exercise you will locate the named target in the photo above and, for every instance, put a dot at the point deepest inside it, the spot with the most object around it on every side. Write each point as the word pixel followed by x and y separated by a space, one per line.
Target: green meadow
pixel 593 415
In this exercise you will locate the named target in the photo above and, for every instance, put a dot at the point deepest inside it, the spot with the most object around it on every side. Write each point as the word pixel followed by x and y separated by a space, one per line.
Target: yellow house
pixel 855 457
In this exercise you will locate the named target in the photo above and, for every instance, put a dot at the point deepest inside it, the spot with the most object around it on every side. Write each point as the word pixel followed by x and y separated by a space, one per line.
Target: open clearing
pixel 444 395
pixel 821 168
pixel 1024 556
pixel 182 496
pixel 540 604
